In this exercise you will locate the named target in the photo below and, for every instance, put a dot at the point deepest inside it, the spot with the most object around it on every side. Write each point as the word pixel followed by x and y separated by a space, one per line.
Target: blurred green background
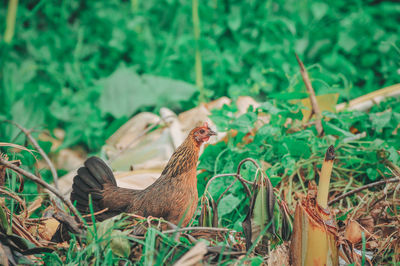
pixel 87 66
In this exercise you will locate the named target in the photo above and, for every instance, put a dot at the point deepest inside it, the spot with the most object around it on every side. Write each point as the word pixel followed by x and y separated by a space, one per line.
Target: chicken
pixel 173 196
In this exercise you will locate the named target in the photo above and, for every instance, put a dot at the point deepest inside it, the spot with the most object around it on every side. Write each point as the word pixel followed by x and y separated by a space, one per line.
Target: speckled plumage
pixel 173 196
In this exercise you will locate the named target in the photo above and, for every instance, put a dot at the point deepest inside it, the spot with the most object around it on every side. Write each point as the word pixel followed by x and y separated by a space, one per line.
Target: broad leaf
pixel 125 92
pixel 120 244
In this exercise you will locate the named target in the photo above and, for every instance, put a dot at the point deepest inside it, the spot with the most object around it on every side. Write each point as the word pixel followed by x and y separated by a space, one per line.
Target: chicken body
pixel 173 196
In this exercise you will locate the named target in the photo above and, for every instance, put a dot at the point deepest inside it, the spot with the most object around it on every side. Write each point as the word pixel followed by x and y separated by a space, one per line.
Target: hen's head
pixel 202 134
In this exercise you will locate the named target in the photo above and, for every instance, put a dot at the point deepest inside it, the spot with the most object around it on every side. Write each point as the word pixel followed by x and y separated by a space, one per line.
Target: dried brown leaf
pixel 193 256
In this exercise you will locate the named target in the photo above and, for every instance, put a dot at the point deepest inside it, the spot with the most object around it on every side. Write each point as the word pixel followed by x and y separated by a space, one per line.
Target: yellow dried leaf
pixel 326 102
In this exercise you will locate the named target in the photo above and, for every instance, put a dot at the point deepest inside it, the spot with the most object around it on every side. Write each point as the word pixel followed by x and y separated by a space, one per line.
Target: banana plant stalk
pixel 314 239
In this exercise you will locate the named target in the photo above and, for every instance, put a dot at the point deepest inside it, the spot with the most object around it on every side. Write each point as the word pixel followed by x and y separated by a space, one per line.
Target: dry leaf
pixel 279 256
pixel 353 232
pixel 46 229
pixel 132 130
pixel 34 205
pixel 193 256
pixel 69 159
pixel 325 102
pixel 244 102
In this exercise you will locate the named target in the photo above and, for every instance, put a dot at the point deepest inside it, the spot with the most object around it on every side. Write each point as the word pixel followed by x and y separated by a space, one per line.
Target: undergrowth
pixel 65 54
pixel 87 67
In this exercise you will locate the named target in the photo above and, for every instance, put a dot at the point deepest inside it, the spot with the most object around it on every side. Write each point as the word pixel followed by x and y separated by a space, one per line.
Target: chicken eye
pixel 202 131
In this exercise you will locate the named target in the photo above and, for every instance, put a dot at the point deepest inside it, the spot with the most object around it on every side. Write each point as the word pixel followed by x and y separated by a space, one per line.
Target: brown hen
pixel 173 196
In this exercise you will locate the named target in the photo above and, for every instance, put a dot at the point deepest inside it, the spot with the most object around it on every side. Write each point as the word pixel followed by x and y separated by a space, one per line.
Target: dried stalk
pixel 392 180
pixel 3 169
pixel 17 198
pixel 44 184
pixel 363 103
pixel 313 98
pixel 197 228
pixel 39 149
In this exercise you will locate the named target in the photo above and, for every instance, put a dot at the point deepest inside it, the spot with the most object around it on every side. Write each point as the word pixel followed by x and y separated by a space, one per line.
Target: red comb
pixel 205 124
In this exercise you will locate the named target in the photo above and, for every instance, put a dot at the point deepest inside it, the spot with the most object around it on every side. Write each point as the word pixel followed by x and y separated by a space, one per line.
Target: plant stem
pixel 324 180
pixel 134 5
pixel 39 149
pixel 196 228
pixel 10 21
pixel 198 63
pixel 44 184
pixel 313 98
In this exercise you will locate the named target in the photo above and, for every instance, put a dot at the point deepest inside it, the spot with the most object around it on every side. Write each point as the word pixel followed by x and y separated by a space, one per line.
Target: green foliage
pixel 289 149
pixel 88 66
pixel 125 92
pixel 58 68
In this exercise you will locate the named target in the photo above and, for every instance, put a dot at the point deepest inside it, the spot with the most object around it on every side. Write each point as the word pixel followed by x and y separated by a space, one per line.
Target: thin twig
pixel 95 213
pixel 226 190
pixel 313 98
pixel 3 169
pixel 243 180
pixel 39 149
pixel 225 175
pixel 391 180
pixel 44 184
pixel 219 250
pixel 197 229
pixel 17 198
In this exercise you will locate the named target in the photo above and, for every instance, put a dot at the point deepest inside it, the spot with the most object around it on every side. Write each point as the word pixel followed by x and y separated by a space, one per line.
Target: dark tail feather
pixel 100 170
pixel 89 181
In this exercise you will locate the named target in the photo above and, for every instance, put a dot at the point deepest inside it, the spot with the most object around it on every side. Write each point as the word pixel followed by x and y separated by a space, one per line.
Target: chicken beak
pixel 211 133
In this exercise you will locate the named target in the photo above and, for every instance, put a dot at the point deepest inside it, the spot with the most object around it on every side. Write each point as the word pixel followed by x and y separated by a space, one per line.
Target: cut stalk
pixel 325 178
pixel 314 239
pixel 10 21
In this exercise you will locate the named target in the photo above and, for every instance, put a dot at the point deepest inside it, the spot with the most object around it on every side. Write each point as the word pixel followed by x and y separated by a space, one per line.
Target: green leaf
pixel 379 121
pixel 234 18
pixel 297 147
pixel 104 230
pixel 227 204
pixel 311 174
pixel 26 113
pixel 331 129
pixel 319 10
pixel 288 95
pixel 52 259
pixel 149 247
pixel 261 216
pixel 125 92
pixel 270 108
pixel 4 225
pixel 394 156
pixel 346 41
pixel 343 217
pixel 245 122
pixel 168 92
pixel 372 174
pixel 120 244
